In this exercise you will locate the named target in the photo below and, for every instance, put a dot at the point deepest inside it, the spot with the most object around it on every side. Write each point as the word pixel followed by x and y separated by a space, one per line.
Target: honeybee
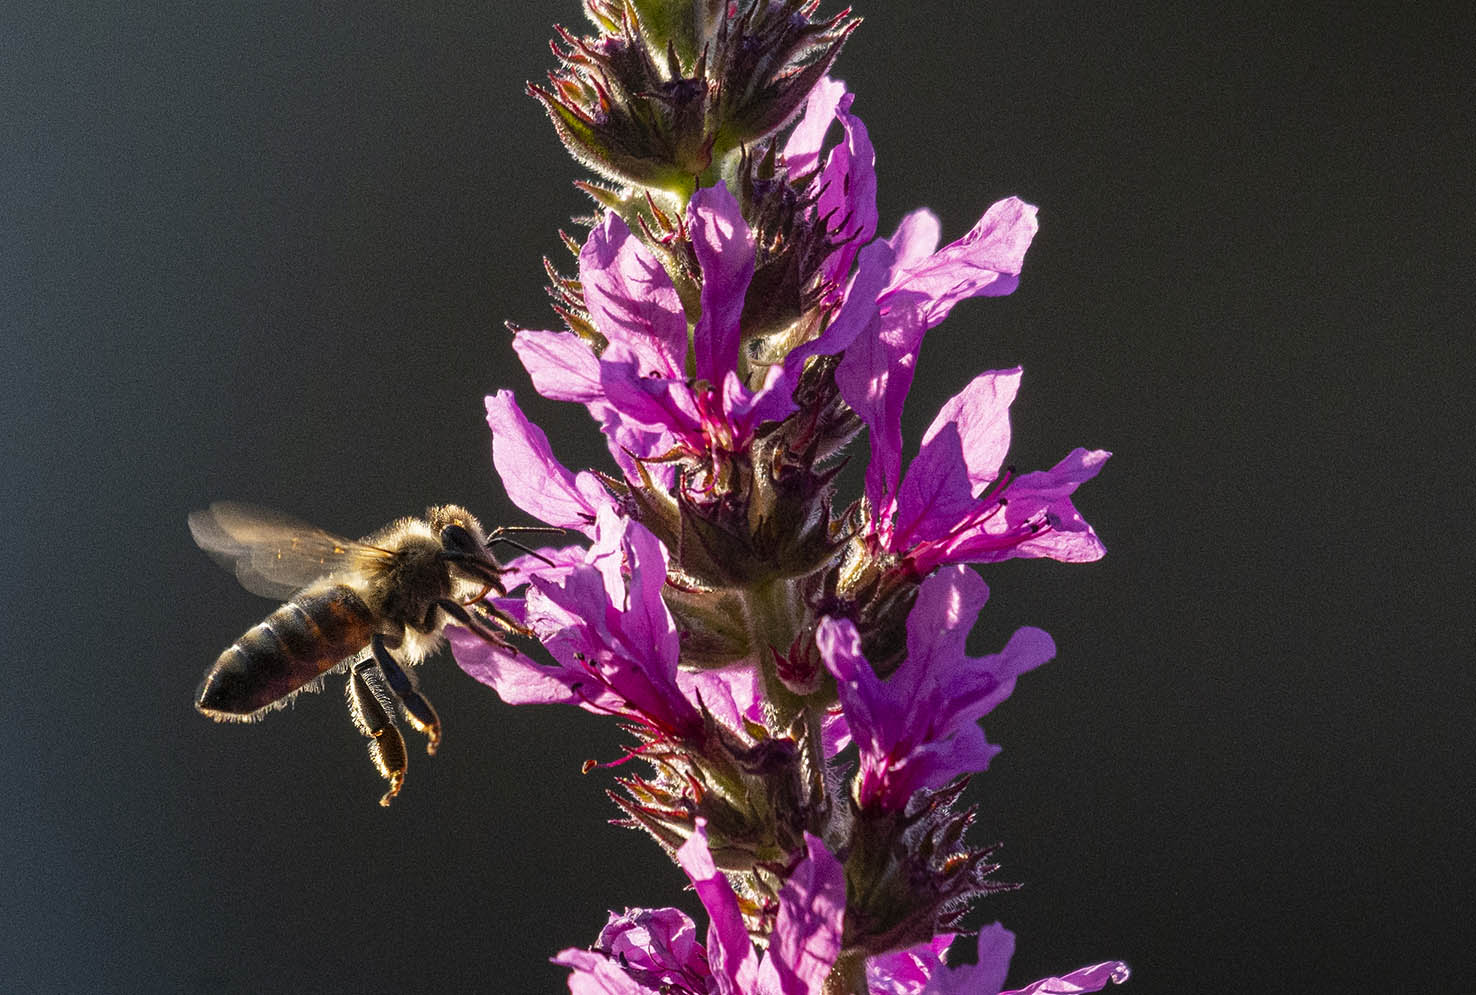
pixel 372 608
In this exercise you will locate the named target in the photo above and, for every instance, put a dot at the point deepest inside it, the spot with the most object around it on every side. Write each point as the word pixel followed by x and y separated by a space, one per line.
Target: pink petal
pixel 935 496
pixel 996 947
pixel 596 974
pixel 877 371
pixel 873 377
pixel 647 620
pixel 1061 480
pixel 534 479
pixel 1027 649
pixel 655 403
pixel 659 946
pixel 807 933
pixel 906 972
pixel 802 150
pixel 858 317
pixel 561 364
pixel 984 262
pixel 864 706
pixel 916 238
pixel 857 313
pixel 725 250
pixel 516 679
pixel 1085 979
pixel 836 732
pixel 631 298
pixel 847 192
pixel 746 410
pixel 947 606
pixel 730 695
pixel 1046 495
pixel 981 414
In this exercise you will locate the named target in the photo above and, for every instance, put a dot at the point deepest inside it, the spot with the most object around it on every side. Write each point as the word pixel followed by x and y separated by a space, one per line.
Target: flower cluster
pixel 792 670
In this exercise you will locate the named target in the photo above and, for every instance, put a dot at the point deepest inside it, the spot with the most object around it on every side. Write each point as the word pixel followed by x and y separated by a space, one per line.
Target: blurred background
pixel 265 252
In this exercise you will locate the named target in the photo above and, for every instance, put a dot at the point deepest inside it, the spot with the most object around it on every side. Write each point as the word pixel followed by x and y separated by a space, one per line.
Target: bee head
pixel 463 543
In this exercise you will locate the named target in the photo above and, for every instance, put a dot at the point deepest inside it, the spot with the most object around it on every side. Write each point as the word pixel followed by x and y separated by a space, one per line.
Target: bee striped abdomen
pixel 292 647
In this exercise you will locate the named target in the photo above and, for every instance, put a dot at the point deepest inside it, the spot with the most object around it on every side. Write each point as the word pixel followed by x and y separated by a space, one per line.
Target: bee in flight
pixel 372 608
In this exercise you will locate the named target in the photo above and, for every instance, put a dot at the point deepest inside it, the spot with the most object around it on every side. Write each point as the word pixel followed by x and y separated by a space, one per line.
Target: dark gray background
pixel 264 251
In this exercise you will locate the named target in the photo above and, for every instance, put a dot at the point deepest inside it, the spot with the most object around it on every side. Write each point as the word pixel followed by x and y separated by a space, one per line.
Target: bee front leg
pixel 459 613
pixel 386 745
pixel 418 711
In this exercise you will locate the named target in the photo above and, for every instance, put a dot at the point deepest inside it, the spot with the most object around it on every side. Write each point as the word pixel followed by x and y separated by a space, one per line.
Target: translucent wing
pixel 273 554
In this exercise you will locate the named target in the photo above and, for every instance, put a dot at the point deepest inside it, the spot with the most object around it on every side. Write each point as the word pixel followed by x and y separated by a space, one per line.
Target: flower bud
pixel 666 89
pixel 910 874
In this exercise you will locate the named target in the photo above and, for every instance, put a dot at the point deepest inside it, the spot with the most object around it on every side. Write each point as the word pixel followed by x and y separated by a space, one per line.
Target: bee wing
pixel 273 554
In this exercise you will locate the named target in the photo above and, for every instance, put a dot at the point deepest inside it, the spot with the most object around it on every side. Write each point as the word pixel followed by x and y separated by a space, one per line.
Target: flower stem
pixel 772 624
pixel 814 747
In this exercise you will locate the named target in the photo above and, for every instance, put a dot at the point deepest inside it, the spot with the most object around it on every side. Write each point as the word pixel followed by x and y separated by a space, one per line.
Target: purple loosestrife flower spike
pixel 733 324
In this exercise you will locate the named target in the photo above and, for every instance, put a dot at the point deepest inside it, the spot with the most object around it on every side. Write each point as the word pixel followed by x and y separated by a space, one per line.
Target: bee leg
pixel 418 711
pixel 460 613
pixel 386 745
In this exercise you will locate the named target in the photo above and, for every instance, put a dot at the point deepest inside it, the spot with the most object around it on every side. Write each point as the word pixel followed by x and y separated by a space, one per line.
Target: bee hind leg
pixel 386 745
pixel 418 711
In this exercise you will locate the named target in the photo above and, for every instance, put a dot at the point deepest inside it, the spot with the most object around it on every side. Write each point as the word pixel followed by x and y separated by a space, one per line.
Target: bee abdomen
pixel 292 647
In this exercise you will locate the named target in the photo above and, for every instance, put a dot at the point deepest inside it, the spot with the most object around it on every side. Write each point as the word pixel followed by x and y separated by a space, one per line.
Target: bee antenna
pixel 498 536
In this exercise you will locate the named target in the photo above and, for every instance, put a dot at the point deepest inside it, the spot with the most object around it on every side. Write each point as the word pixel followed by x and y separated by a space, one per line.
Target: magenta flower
pixel 641 951
pixel 605 624
pixel 637 958
pixel 919 728
pixel 638 388
pixel 921 288
pixel 956 506
pixel 996 947
pixel 842 198
pixel 844 190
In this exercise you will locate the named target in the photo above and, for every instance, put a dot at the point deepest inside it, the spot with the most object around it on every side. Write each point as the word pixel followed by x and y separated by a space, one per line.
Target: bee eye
pixel 456 538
